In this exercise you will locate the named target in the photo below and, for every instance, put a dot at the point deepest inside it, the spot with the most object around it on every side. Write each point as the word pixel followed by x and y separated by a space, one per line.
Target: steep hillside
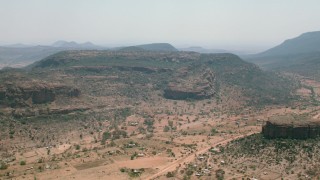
pixel 299 55
pixel 305 43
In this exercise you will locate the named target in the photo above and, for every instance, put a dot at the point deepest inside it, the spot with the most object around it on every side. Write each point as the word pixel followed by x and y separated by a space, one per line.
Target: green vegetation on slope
pixel 160 68
pixel 288 154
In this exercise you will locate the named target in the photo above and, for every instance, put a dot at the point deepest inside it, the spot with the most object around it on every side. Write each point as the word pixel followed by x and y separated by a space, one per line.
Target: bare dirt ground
pixel 94 161
pixel 192 156
pixel 181 132
pixel 315 85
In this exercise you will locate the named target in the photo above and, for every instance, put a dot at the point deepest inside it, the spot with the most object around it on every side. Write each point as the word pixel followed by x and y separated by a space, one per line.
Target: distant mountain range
pixel 19 55
pixel 299 55
pixel 74 45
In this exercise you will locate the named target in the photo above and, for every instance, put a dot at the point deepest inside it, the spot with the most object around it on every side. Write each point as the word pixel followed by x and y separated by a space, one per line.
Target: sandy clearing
pixel 148 162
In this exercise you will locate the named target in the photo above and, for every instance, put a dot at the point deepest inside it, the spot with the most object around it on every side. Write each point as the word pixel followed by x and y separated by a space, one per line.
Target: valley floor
pixel 77 149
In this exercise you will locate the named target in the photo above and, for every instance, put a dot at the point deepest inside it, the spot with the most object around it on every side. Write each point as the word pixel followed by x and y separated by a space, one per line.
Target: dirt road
pixel 189 158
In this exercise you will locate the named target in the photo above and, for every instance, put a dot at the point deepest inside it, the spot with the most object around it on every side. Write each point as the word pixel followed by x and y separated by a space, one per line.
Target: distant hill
pixel 203 50
pixel 131 48
pixel 305 43
pixel 158 47
pixel 74 45
pixel 19 55
pixel 300 55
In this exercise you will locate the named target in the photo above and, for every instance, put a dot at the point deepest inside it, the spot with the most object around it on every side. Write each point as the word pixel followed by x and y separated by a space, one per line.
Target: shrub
pixel 166 128
pixel 220 174
pixel 77 147
pixel 170 174
pixel 213 131
pixel 22 163
pixel 3 166
pixel 189 172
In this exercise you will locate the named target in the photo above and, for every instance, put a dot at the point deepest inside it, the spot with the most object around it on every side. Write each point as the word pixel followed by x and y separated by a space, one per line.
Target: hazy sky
pixel 226 24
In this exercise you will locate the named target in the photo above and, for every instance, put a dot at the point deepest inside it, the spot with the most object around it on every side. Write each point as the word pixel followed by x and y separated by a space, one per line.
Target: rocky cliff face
pixel 28 112
pixel 189 86
pixel 33 92
pixel 307 129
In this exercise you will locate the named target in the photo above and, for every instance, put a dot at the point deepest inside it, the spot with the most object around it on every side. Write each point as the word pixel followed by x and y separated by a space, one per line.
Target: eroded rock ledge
pixel 33 92
pixel 290 128
pixel 188 86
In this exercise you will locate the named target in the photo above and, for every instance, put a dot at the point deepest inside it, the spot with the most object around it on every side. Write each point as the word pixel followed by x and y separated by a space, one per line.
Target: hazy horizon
pixel 233 25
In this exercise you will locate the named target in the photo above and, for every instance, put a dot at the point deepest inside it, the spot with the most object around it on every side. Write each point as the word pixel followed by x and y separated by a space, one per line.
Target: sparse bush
pixel 170 174
pixel 22 163
pixel 166 128
pixel 77 147
pixel 220 174
pixel 189 172
pixel 3 166
pixel 213 131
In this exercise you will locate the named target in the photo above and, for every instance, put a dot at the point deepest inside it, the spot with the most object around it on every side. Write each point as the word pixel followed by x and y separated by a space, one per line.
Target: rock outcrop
pixel 294 129
pixel 33 92
pixel 25 112
pixel 188 86
pixel 177 92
